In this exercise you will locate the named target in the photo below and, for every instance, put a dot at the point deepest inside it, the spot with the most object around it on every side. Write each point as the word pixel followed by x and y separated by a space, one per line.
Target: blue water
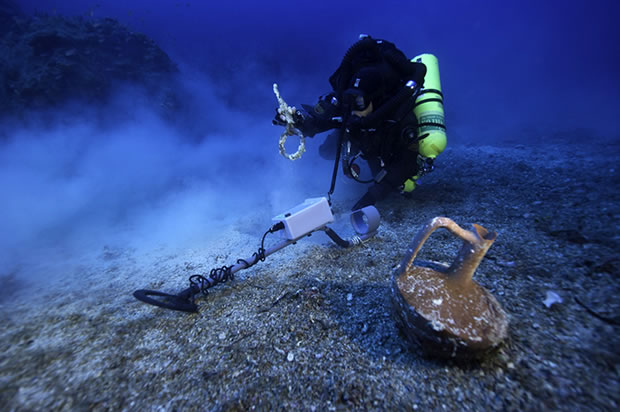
pixel 511 72
pixel 508 68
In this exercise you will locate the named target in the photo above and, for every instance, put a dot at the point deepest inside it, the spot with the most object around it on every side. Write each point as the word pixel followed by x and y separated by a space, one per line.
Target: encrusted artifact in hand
pixel 289 115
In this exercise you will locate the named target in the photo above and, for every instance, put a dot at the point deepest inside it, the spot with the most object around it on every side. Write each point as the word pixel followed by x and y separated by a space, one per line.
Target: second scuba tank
pixel 429 109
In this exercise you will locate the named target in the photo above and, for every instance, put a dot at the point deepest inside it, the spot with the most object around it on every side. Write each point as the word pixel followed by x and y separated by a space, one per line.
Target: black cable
pixel 337 239
pixel 337 160
pixel 223 274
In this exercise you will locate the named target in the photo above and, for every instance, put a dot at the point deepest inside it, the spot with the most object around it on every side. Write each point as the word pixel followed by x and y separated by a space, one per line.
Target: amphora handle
pixel 476 244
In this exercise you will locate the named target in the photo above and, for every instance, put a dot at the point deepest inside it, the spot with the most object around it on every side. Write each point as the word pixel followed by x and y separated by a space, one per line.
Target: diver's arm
pixel 323 116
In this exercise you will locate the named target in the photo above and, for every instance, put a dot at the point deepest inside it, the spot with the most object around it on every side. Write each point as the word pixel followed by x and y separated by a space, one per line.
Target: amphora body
pixel 441 308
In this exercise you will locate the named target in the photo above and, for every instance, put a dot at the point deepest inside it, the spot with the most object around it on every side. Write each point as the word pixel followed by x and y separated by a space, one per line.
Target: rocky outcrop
pixel 48 60
pixel 8 10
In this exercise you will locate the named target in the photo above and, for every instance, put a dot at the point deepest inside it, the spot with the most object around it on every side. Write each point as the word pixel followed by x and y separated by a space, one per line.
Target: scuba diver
pixel 374 92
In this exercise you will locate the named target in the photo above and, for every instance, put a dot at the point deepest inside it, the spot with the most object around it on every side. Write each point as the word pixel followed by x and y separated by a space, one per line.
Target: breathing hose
pixel 339 80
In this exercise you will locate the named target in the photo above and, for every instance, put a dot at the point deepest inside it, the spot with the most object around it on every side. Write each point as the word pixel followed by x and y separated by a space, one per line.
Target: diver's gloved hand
pixel 278 120
pixel 299 119
pixel 354 124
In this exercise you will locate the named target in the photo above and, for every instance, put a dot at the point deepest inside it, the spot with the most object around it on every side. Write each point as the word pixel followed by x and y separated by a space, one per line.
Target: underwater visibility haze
pixel 511 72
pixel 137 147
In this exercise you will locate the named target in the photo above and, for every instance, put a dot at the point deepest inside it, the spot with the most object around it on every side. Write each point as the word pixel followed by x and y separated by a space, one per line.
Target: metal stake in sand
pixel 286 114
pixel 442 308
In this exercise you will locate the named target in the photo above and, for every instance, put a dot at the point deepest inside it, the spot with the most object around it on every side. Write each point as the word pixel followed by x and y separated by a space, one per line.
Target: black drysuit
pixel 386 136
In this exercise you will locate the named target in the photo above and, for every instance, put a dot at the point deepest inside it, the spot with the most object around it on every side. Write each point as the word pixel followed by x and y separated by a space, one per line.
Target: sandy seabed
pixel 311 328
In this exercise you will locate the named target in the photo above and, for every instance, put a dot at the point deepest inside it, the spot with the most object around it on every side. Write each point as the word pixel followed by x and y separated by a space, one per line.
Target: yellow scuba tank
pixel 429 112
pixel 429 109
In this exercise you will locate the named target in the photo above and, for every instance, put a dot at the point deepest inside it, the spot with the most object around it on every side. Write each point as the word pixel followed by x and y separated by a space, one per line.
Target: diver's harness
pixel 396 108
pixel 393 110
pixel 409 94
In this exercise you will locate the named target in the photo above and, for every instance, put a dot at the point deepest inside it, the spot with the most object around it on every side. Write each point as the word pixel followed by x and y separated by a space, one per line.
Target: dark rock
pixel 570 235
pixel 607 266
pixel 50 60
pixel 8 11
